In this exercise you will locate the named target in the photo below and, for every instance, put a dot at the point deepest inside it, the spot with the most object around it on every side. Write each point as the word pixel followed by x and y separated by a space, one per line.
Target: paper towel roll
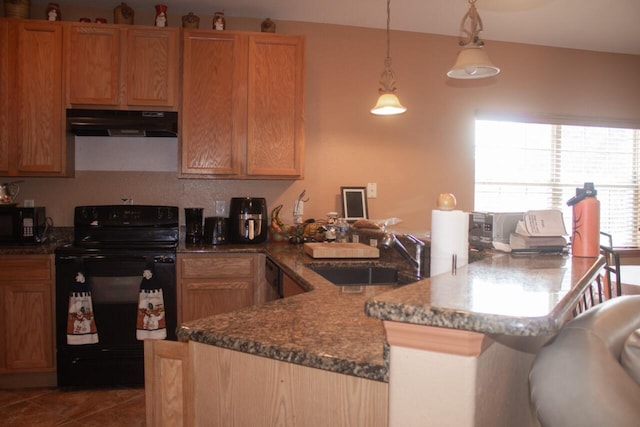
pixel 449 237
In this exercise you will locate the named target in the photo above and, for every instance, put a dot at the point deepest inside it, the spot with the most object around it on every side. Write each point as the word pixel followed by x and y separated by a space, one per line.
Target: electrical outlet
pixel 372 190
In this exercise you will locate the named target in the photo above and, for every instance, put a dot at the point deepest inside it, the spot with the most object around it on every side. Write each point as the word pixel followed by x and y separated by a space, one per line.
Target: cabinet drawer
pixel 217 266
pixel 222 285
pixel 25 268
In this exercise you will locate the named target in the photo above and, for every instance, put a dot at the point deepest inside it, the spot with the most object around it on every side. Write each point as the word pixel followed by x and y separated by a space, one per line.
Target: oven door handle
pixel 158 259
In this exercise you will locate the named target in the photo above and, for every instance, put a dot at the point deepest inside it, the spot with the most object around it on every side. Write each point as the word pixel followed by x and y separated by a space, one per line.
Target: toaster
pixel 488 227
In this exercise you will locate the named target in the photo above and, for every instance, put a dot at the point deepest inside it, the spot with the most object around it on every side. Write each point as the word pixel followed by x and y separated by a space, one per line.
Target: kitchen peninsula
pixel 319 359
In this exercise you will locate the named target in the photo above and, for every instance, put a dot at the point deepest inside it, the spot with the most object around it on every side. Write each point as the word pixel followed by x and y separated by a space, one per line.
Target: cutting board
pixel 341 250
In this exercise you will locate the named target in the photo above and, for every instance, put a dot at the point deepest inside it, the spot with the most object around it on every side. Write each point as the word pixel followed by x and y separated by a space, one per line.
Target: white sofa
pixel 585 376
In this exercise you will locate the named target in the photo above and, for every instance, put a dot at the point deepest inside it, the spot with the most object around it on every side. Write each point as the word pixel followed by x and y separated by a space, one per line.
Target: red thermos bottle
pixel 585 238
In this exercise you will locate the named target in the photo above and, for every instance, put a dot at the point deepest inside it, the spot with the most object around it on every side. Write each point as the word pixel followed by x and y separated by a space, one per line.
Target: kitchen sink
pixel 362 275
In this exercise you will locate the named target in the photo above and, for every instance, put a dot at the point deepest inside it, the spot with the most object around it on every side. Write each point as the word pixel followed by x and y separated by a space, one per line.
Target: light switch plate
pixel 372 190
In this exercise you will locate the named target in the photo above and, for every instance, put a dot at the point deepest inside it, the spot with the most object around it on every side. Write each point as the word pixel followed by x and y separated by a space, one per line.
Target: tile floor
pixel 44 407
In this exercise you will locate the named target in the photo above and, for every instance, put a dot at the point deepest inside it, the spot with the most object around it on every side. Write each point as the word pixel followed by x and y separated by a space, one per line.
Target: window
pixel 523 166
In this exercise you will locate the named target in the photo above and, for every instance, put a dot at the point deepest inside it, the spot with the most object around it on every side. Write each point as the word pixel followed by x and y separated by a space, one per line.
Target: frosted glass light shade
pixel 388 104
pixel 473 63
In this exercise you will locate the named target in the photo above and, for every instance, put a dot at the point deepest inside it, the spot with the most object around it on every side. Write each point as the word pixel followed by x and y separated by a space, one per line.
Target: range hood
pixel 122 123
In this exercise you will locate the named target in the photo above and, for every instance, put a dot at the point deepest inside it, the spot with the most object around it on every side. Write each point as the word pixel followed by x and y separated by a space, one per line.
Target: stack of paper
pixel 539 231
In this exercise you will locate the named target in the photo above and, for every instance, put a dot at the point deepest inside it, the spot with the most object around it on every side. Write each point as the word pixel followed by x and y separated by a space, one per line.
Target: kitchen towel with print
pixel 81 325
pixel 151 323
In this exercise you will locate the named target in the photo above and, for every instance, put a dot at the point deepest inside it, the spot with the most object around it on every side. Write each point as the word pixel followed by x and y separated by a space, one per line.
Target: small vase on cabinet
pixel 123 14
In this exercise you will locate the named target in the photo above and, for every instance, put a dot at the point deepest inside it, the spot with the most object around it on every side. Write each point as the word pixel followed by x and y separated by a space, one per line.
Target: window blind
pixel 521 166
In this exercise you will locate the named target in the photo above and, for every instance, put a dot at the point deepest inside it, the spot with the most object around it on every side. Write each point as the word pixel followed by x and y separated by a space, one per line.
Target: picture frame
pixel 354 203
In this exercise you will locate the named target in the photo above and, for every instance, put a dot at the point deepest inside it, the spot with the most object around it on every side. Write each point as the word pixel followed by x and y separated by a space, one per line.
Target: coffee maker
pixel 216 230
pixel 248 220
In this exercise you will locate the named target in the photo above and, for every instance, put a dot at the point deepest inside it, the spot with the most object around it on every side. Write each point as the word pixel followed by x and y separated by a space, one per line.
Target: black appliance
pixel 21 226
pixel 122 123
pixel 216 230
pixel 248 220
pixel 114 245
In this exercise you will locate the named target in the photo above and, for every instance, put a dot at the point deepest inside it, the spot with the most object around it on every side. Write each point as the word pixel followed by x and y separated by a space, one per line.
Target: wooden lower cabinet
pixel 217 283
pixel 198 384
pixel 168 383
pixel 26 320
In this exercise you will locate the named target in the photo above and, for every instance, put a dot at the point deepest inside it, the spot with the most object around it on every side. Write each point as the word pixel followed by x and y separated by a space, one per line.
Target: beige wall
pixel 412 157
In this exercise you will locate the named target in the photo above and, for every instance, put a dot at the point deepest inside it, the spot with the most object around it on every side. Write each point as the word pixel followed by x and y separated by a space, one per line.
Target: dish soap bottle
pixel 585 237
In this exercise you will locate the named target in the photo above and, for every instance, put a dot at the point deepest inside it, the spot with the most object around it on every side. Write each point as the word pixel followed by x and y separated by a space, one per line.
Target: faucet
pixel 391 240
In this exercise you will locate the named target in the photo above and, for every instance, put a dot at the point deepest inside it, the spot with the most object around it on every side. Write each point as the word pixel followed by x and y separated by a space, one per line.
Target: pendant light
pixel 473 62
pixel 388 103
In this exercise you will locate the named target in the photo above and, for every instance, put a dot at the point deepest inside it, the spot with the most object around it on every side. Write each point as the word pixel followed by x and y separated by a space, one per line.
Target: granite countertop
pixel 324 328
pixel 329 329
pixel 529 295
pixel 40 249
pixel 54 237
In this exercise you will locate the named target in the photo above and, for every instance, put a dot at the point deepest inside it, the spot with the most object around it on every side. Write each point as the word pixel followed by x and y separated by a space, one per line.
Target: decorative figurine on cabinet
pixel 161 15
pixel 268 26
pixel 219 22
pixel 53 12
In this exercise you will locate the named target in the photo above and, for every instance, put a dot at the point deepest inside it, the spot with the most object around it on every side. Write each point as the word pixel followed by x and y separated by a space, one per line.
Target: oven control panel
pixel 126 215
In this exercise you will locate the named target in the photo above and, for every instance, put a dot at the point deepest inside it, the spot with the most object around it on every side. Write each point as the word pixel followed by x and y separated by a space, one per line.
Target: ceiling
pixel 599 25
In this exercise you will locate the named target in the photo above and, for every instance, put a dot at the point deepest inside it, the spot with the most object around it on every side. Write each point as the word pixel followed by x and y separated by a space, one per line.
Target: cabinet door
pixel 275 134
pixel 4 97
pixel 39 100
pixel 168 383
pixel 94 64
pixel 213 284
pixel 28 319
pixel 152 67
pixel 213 116
pixel 26 329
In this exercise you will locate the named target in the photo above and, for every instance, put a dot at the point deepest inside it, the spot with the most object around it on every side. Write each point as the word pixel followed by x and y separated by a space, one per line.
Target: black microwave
pixel 21 226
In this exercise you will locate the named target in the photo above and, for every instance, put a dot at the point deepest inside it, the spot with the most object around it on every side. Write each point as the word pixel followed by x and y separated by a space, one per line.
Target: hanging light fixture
pixel 473 62
pixel 388 103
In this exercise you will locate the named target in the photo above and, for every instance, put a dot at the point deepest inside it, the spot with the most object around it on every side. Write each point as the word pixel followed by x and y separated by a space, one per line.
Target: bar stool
pixel 611 267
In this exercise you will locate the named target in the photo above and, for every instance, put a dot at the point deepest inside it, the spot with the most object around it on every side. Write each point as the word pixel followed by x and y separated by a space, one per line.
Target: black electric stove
pixel 114 244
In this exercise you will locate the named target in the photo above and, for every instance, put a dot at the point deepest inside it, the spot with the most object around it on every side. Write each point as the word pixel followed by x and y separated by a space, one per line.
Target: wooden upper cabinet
pixel 242 105
pixel 275 136
pixel 4 97
pixel 152 67
pixel 121 67
pixel 212 130
pixel 37 136
pixel 94 64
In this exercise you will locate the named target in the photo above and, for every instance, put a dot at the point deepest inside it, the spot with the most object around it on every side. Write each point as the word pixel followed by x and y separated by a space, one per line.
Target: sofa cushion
pixel 630 357
pixel 577 378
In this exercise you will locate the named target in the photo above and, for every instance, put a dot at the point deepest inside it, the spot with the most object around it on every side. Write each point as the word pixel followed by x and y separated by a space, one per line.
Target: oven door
pixel 118 357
